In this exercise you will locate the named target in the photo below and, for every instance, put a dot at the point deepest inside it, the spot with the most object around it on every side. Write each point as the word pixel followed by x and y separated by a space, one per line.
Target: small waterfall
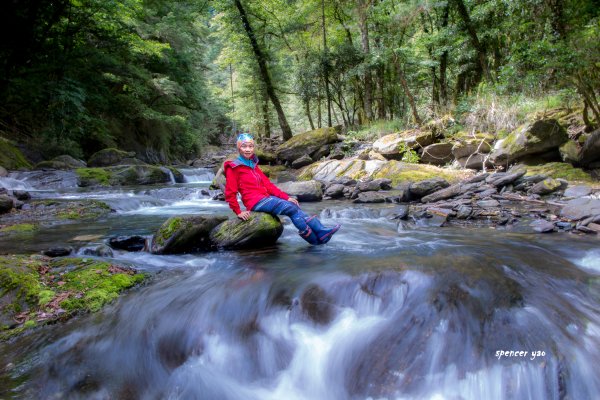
pixel 197 175
pixel 171 176
pixel 14 184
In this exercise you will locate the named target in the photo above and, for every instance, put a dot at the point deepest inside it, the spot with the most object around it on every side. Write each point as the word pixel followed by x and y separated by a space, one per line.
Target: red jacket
pixel 251 183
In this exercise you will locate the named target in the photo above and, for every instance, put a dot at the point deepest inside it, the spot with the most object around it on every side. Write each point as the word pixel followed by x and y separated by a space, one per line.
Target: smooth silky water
pixel 378 313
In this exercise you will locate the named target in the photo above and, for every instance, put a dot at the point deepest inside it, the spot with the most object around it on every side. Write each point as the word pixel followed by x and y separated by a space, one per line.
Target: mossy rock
pixel 19 229
pixel 400 172
pixel 37 290
pixel 61 162
pixel 123 175
pixel 330 170
pixel 11 157
pixel 265 157
pixel 538 137
pixel 570 152
pixel 272 170
pixel 306 143
pixel 260 230
pixel 109 157
pixel 179 178
pixel 6 204
pixel 94 177
pixel 394 145
pixel 558 170
pixel 184 234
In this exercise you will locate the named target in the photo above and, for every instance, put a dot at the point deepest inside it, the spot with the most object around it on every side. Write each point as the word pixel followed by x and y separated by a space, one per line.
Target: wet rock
pixel 449 192
pixel 22 195
pixel 98 251
pixel 530 139
pixel 306 143
pixel 488 203
pixel 593 226
pixel 184 234
pixel 3 172
pixel 177 174
pixel 302 161
pixel 463 211
pixel 437 154
pixel 398 212
pixel 127 243
pixel 590 150
pixel 475 161
pixel 548 186
pixel 334 191
pixel 6 204
pixel 109 157
pixel 317 305
pixel 581 208
pixel 542 226
pixel 390 196
pixel 428 186
pixel 504 178
pixel 303 190
pixel 260 230
pixel 470 147
pixel 58 251
pixel 140 175
pixel 578 191
pixel 374 185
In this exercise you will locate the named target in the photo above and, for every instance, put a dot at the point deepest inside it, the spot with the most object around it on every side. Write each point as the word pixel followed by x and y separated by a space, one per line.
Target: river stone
pixel 488 203
pixel 504 178
pixel 464 149
pixel 3 172
pixel 590 151
pixel 534 138
pixel 317 305
pixel 58 251
pixel 260 230
pixel 475 161
pixel 374 185
pixel 437 154
pixel 427 186
pixel 547 186
pixel 108 157
pixel 302 162
pixel 334 191
pixel 393 146
pixel 303 190
pixel 581 208
pixel 22 195
pixel 99 251
pixel 542 226
pixel 61 162
pixel 445 193
pixel 321 152
pixel 391 196
pixel 306 143
pixel 578 191
pixel 139 175
pixel 398 212
pixel 463 211
pixel 128 243
pixel 6 204
pixel 184 234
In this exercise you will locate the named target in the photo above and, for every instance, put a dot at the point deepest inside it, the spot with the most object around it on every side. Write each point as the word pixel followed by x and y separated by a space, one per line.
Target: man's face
pixel 246 149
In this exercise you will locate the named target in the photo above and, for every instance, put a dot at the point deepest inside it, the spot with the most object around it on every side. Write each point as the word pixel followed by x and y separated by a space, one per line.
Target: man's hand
pixel 294 201
pixel 244 215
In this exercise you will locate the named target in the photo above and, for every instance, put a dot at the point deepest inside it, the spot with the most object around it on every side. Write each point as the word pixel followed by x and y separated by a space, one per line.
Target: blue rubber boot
pixel 322 233
pixel 309 235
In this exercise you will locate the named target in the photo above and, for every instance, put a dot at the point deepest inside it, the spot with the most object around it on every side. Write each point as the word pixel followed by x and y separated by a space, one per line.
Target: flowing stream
pixel 378 313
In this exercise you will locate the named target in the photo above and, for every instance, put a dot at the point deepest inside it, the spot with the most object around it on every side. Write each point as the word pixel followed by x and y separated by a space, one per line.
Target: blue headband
pixel 245 137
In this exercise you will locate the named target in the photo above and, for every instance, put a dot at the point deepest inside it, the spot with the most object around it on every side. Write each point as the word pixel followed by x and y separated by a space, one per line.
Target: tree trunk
pixel 264 72
pixel 444 63
pixel 363 7
pixel 408 94
pixel 326 64
pixel 265 112
pixel 307 110
pixel 464 14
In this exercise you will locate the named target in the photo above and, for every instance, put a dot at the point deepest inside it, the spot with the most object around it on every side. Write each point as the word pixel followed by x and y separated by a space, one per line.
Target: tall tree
pixel 264 72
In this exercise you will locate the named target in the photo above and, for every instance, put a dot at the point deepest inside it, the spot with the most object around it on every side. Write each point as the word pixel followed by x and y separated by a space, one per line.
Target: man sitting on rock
pixel 259 194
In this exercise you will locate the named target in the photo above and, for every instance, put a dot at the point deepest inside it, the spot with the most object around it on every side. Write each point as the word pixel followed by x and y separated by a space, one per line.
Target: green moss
pixel 11 157
pixel 272 170
pixel 94 176
pixel 168 228
pixel 19 228
pixel 32 283
pixel 402 172
pixel 560 170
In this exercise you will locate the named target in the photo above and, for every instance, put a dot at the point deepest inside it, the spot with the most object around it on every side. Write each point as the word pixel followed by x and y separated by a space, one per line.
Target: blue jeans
pixel 276 206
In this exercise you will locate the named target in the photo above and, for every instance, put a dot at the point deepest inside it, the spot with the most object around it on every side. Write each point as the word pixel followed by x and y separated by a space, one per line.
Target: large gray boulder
pixel 260 230
pixel 470 147
pixel 303 190
pixel 437 154
pixel 111 156
pixel 530 139
pixel 581 208
pixel 590 151
pixel 61 162
pixel 393 146
pixel 185 234
pixel 6 204
pixel 307 143
pixel 475 161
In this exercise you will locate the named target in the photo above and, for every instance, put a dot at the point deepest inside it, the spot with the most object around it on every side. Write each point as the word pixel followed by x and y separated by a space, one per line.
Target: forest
pixel 166 78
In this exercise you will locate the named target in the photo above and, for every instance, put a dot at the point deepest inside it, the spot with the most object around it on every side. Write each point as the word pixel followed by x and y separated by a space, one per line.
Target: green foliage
pixel 408 155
